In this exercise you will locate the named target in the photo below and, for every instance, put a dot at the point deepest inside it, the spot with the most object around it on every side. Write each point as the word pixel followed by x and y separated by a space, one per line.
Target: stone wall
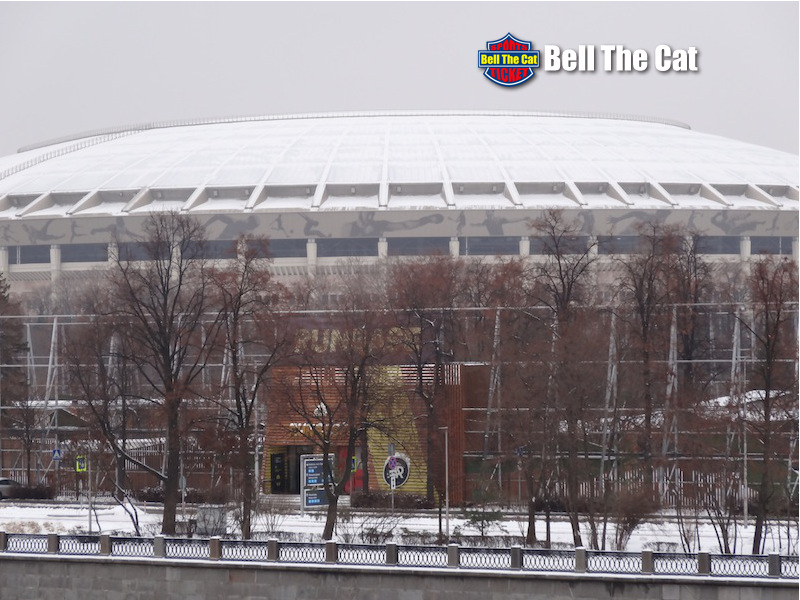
pixel 103 578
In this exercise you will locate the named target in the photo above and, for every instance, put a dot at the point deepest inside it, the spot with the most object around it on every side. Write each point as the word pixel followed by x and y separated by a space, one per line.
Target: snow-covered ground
pixel 70 518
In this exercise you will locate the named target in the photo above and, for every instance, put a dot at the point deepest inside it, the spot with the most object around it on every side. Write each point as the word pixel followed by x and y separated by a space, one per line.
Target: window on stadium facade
pixel 286 248
pixel 141 251
pixel 422 246
pixel 13 255
pixel 567 245
pixel 718 244
pixel 619 244
pixel 488 246
pixel 770 245
pixel 334 247
pixel 211 249
pixel 28 255
pixel 84 253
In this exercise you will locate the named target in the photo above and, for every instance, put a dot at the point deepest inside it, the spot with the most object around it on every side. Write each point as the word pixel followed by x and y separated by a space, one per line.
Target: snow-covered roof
pixel 750 405
pixel 401 161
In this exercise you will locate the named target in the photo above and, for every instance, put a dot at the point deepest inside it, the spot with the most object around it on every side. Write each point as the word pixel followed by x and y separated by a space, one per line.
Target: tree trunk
pixel 530 536
pixel 248 489
pixel 330 520
pixel 572 478
pixel 547 522
pixel 765 488
pixel 647 449
pixel 171 487
pixel 365 464
pixel 121 476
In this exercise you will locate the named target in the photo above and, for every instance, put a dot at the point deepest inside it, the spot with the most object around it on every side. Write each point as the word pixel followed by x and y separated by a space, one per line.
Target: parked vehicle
pixel 8 488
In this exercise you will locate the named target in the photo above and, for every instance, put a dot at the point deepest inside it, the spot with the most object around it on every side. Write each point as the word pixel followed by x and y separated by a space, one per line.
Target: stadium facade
pixel 324 188
pixel 331 186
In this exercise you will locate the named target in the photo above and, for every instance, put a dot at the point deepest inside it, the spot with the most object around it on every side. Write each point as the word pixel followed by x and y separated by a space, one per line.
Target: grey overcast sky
pixel 67 68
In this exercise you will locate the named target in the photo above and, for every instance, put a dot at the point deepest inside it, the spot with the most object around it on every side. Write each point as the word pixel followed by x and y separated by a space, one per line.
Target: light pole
pixel 1 420
pixel 446 482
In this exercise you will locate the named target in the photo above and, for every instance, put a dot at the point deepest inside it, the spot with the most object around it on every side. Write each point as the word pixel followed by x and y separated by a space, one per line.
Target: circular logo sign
pixel 396 470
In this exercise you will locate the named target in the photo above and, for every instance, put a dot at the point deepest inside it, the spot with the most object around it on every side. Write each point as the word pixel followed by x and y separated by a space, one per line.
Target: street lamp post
pixel 446 482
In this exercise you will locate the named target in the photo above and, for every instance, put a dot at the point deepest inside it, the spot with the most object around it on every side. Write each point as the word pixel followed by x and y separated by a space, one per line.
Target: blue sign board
pixel 312 470
pixel 314 498
pixel 314 474
pixel 313 492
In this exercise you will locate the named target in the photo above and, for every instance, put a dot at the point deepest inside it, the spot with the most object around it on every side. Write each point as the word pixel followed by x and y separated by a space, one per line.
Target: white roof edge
pixel 335 115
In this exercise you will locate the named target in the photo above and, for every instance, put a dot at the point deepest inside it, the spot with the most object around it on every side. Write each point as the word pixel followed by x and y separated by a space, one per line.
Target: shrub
pixel 193 495
pixel 35 492
pixel 384 500
pixel 149 494
pixel 631 509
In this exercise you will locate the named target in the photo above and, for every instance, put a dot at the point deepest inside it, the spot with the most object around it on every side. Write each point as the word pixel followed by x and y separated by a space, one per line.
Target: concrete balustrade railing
pixel 452 556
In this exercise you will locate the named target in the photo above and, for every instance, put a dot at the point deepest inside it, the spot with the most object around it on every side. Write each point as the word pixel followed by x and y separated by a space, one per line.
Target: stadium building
pixel 324 188
pixel 330 186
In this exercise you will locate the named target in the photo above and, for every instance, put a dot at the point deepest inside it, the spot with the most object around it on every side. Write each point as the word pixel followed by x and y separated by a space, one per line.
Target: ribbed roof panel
pixel 389 149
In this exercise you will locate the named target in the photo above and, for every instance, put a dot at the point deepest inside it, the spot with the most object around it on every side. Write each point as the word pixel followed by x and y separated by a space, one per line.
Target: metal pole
pixel 182 483
pixel 738 380
pixel 89 485
pixel 446 482
pixel 1 419
pixel 258 451
pixel 746 501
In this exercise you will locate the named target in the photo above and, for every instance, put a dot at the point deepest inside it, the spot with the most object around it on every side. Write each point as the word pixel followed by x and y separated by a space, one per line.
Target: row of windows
pixel 401 246
pixel 70 253
pixel 707 244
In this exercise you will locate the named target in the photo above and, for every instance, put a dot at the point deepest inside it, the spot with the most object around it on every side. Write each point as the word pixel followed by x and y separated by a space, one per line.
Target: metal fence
pixel 361 555
pixel 579 560
pixel 33 544
pixel 548 560
pixel 301 552
pixel 132 546
pixel 677 564
pixel 244 551
pixel 485 558
pixel 613 562
pixel 422 556
pixel 187 548
pixel 79 545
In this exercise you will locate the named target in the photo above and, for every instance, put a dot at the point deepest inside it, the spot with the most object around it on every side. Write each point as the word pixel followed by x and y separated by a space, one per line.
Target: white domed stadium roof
pixel 370 174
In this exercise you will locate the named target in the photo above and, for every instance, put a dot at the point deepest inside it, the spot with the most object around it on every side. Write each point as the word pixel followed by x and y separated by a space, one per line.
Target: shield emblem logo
pixel 509 76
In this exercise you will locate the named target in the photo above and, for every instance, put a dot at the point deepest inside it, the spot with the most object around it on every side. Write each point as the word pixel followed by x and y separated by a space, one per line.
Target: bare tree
pixel 340 395
pixel 569 258
pixel 487 288
pixel 24 420
pixel 253 340
pixel 690 286
pixel 421 294
pixel 689 282
pixel 773 372
pixel 530 422
pixel 161 305
pixel 563 277
pixel 95 362
pixel 718 485
pixel 644 290
pixel 22 415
